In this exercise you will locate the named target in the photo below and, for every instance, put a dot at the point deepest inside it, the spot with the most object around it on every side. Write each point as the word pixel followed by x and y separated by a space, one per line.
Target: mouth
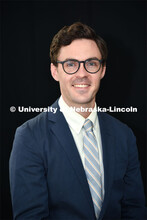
pixel 81 85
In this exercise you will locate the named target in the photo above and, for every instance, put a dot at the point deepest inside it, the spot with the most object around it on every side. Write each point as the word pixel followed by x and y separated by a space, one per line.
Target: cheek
pixel 96 81
pixel 65 81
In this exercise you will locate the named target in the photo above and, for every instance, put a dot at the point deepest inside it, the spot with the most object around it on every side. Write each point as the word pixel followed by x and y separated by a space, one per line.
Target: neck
pixel 84 109
pixel 84 114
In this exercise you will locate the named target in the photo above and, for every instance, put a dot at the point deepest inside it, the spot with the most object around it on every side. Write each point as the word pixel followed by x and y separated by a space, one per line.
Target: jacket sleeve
pixel 133 203
pixel 28 178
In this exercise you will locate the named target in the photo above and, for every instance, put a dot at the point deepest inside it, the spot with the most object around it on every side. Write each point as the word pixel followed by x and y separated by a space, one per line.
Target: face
pixel 78 89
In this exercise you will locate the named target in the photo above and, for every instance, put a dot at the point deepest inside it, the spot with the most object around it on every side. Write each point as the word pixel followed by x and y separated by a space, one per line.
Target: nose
pixel 82 71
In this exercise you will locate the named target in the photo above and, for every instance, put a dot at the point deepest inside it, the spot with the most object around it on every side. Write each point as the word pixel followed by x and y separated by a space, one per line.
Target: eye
pixel 92 63
pixel 70 64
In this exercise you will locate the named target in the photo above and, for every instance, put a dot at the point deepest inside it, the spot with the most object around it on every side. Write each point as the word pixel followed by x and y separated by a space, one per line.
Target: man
pixel 76 164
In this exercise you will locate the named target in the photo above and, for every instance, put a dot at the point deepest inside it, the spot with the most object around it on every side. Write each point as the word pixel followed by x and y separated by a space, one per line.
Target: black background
pixel 26 31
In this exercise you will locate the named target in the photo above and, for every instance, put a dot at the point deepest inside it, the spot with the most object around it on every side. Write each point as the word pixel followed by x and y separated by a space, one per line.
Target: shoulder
pixel 110 119
pixel 34 134
pixel 30 133
pixel 114 125
pixel 34 124
pixel 39 126
pixel 36 128
pixel 40 122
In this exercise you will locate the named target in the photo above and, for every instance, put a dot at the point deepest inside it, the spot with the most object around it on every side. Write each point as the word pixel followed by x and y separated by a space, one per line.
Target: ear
pixel 103 71
pixel 54 72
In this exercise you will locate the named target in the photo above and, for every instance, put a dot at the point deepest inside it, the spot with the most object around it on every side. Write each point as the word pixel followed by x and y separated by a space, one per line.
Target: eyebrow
pixel 71 58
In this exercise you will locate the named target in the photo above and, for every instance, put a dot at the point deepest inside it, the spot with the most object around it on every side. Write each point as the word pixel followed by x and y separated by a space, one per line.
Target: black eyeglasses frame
pixel 79 62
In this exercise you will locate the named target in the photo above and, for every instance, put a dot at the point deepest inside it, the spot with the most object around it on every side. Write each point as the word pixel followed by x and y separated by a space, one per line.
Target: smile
pixel 81 86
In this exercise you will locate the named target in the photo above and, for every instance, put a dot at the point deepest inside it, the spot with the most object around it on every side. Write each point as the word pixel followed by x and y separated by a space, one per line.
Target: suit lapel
pixel 108 146
pixel 63 134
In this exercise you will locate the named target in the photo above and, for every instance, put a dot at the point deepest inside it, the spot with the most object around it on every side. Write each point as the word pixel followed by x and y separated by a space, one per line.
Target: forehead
pixel 80 49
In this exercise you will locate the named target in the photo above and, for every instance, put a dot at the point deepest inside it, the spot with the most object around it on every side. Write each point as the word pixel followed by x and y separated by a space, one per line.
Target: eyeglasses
pixel 91 65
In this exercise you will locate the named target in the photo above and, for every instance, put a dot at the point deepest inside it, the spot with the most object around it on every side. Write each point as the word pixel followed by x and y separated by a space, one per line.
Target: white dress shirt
pixel 76 122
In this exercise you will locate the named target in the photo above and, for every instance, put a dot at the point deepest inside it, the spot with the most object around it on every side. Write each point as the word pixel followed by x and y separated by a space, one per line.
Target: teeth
pixel 81 86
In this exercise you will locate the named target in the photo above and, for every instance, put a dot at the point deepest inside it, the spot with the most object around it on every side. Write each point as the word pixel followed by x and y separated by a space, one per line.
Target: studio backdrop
pixel 26 31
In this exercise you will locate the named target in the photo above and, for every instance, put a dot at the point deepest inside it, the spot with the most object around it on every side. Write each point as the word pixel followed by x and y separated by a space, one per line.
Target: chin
pixel 83 101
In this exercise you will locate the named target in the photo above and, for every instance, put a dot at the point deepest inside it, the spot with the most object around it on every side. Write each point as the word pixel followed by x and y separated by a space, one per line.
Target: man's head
pixel 78 59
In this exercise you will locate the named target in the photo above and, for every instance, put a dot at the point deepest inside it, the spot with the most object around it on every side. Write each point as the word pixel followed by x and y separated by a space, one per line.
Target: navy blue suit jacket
pixel 48 180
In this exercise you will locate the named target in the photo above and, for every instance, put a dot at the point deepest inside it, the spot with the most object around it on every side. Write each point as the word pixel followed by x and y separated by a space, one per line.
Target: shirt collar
pixel 74 119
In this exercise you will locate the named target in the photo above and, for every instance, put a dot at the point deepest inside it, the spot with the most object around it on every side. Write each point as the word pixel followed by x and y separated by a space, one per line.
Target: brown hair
pixel 75 31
